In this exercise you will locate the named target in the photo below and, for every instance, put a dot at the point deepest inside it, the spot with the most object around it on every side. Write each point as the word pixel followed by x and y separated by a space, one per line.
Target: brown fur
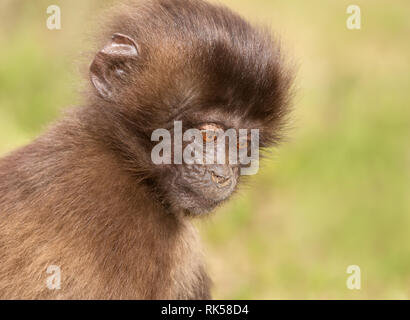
pixel 66 203
pixel 85 196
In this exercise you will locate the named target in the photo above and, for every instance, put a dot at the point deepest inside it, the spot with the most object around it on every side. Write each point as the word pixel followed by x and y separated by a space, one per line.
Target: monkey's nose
pixel 221 175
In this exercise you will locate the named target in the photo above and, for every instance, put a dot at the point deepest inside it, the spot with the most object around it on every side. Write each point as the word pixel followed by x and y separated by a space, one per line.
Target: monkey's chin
pixel 199 207
pixel 199 211
pixel 195 202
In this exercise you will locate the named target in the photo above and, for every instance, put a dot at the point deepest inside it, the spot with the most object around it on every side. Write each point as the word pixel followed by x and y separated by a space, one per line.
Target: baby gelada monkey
pixel 86 200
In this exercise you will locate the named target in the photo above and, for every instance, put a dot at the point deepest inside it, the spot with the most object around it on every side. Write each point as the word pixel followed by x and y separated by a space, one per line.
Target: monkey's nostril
pixel 220 180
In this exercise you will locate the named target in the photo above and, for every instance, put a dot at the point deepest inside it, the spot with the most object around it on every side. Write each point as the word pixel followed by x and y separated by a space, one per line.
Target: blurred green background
pixel 336 194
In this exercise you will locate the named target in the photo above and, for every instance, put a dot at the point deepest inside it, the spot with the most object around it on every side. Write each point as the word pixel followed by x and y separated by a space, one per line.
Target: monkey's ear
pixel 112 64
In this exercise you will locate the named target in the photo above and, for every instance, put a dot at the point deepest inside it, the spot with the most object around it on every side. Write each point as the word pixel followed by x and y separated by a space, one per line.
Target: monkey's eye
pixel 243 143
pixel 209 136
pixel 210 132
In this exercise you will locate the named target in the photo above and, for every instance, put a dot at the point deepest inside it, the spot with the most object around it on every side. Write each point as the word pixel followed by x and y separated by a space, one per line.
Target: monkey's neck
pixel 75 164
pixel 82 208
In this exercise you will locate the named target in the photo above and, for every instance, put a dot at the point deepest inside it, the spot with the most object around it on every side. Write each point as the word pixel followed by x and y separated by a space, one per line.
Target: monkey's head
pixel 188 62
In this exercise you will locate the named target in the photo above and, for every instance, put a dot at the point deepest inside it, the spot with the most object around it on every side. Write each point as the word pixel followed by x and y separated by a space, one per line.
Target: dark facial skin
pixel 199 188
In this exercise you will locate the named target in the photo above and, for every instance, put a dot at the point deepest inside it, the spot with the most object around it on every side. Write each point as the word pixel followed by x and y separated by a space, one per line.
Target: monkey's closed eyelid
pixel 211 126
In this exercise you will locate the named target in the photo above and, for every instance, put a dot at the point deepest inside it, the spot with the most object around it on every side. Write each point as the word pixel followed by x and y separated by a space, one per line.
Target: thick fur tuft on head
pixel 194 56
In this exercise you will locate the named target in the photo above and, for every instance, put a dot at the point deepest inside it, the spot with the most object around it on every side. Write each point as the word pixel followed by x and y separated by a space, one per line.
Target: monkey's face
pixel 202 181
pixel 206 68
pixel 198 189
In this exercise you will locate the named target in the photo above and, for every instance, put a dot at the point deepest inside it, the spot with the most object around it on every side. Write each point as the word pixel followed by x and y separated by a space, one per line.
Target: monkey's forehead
pixel 197 54
pixel 191 27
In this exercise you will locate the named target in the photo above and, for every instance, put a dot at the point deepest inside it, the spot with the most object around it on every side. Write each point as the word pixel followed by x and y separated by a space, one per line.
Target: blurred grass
pixel 336 194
